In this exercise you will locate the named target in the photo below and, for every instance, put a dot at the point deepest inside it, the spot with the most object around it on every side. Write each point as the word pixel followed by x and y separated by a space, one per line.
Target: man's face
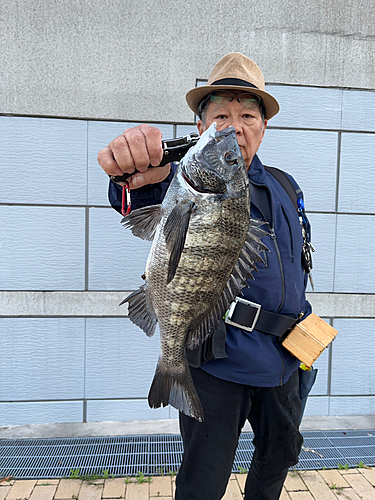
pixel 244 117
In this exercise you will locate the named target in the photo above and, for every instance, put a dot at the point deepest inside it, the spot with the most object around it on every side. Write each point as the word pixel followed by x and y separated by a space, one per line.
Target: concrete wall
pixel 131 60
pixel 74 75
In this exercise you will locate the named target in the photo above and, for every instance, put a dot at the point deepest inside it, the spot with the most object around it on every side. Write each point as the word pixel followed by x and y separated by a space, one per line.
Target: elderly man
pixel 245 373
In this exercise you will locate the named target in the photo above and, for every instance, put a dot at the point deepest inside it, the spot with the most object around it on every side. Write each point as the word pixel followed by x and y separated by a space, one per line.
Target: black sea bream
pixel 205 246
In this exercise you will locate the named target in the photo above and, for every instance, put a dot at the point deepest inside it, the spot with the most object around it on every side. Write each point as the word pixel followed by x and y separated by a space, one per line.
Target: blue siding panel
pixel 42 359
pixel 352 353
pixel 40 413
pixel 42 248
pixel 357 173
pixel 182 130
pixel 320 387
pixel 134 409
pixel 100 134
pixel 306 107
pixel 352 405
pixel 43 160
pixel 117 258
pixel 310 157
pixel 323 233
pixel 358 110
pixel 355 244
pixel 120 359
pixel 317 406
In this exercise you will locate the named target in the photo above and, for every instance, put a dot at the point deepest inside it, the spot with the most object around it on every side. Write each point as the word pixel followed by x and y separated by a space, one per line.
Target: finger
pixel 153 138
pixel 122 154
pixel 152 176
pixel 137 147
pixel 108 163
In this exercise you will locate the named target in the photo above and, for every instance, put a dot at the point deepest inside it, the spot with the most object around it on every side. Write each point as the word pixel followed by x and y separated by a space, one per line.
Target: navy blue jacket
pixel 255 358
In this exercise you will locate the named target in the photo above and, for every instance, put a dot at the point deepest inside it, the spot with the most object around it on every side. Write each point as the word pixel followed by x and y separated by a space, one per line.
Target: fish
pixel 205 248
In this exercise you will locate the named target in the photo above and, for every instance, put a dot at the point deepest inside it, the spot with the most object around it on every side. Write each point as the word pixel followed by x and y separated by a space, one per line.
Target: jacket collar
pixel 257 173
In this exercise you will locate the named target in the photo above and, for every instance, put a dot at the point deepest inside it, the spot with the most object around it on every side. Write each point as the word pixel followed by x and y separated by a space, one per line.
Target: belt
pixel 250 315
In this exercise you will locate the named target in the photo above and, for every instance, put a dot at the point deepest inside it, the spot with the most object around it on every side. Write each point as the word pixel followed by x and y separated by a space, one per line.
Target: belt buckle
pixel 231 311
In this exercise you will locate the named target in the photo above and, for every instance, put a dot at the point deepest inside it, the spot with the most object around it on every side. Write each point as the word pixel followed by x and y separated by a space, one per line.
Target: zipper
pixel 274 238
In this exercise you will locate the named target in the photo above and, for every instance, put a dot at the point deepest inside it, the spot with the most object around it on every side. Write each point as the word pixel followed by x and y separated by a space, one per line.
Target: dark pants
pixel 210 446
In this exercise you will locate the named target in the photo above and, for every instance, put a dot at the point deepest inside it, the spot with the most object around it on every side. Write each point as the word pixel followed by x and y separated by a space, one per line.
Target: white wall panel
pixel 310 157
pixel 40 413
pixel 357 173
pixel 353 371
pixel 306 107
pixel 352 405
pixel 117 258
pixel 42 248
pixel 358 110
pixel 43 160
pixel 320 386
pixel 317 406
pixel 182 130
pixel 135 409
pixel 100 134
pixel 120 359
pixel 355 254
pixel 41 358
pixel 323 234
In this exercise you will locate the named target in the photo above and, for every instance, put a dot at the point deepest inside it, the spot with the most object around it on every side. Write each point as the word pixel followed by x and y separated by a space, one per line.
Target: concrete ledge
pixel 146 427
pixel 105 304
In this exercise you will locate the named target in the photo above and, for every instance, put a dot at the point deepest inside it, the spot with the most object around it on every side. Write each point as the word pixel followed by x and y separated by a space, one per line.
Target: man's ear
pixel 200 127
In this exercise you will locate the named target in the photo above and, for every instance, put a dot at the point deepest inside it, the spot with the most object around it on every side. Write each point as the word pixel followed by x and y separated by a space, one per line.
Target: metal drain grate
pixel 156 455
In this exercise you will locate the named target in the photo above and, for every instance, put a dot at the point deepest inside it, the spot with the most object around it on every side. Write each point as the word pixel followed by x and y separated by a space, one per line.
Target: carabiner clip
pixel 125 191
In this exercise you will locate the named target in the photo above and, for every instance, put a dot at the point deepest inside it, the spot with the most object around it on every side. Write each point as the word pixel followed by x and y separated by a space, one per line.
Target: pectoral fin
pixel 143 221
pixel 175 231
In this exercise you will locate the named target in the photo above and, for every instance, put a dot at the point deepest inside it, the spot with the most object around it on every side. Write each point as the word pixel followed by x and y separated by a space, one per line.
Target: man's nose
pixel 237 125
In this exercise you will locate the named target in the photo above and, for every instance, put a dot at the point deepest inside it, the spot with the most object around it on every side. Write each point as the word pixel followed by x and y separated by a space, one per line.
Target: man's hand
pixel 135 149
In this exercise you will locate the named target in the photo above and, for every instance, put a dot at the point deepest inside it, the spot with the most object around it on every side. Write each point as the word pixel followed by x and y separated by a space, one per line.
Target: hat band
pixel 234 81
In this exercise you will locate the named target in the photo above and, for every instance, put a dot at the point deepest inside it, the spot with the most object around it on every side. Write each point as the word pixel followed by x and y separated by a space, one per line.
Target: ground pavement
pixel 352 484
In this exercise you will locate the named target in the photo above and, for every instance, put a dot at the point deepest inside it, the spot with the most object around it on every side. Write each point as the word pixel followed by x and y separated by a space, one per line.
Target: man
pixel 254 378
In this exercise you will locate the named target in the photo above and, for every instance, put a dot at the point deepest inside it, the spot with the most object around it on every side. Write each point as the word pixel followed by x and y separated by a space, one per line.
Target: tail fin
pixel 177 389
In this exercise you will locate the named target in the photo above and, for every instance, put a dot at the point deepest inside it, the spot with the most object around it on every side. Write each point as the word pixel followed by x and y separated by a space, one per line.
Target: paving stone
pixel 317 486
pixel 68 488
pixel 21 489
pixel 348 471
pixel 233 491
pixel 241 479
pixel 284 495
pixel 361 486
pixel 161 486
pixel 4 490
pixel 47 482
pixel 90 491
pixel 369 474
pixel 136 491
pixel 332 477
pixel 301 495
pixel 346 494
pixel 293 482
pixel 114 488
pixel 43 492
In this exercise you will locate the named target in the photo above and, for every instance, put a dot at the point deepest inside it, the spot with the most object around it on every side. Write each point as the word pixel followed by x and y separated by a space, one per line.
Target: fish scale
pixel 199 234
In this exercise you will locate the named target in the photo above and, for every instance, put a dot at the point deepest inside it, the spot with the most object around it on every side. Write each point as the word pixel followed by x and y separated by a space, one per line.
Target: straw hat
pixel 235 72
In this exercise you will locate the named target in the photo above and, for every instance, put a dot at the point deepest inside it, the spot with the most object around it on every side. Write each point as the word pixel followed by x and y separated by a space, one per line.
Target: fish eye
pixel 231 158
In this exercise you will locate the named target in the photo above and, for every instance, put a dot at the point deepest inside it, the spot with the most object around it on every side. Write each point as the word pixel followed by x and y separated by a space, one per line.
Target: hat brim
pixel 194 97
